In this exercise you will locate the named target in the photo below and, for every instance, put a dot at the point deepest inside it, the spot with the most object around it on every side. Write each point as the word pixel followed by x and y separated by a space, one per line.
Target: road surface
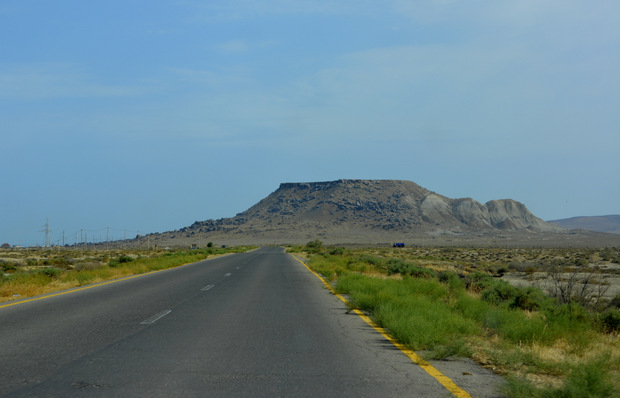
pixel 255 324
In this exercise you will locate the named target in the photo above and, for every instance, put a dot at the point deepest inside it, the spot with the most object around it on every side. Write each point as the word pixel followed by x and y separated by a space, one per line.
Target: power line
pixel 48 232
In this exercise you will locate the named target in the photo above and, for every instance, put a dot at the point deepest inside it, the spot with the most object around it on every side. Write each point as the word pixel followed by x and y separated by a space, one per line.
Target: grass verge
pixel 43 272
pixel 545 349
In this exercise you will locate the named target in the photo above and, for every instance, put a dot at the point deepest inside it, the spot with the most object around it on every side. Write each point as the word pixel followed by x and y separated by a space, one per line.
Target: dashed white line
pixel 207 287
pixel 155 317
pixel 228 274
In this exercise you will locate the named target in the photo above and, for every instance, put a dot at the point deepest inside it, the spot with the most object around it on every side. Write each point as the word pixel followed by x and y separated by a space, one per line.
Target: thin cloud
pixel 49 81
pixel 244 46
pixel 233 46
pixel 244 9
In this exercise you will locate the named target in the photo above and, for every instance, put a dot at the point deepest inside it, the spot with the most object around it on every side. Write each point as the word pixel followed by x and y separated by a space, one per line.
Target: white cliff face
pixel 435 209
pixel 503 214
pixel 510 214
pixel 471 212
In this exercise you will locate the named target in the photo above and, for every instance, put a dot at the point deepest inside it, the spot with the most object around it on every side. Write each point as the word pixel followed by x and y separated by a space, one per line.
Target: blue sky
pixel 149 115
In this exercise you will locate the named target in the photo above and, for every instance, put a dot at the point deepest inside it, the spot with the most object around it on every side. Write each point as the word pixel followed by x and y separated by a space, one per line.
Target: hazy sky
pixel 149 115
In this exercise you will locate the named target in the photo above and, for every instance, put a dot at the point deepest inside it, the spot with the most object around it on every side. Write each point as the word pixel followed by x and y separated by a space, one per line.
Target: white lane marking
pixel 207 287
pixel 155 317
pixel 228 274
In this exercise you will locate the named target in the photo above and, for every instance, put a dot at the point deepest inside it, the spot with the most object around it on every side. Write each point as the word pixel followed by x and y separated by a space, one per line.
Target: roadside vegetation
pixel 31 272
pixel 557 339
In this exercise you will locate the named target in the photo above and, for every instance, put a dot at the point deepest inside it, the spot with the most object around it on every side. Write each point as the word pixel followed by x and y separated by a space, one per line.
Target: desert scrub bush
pixel 7 267
pixel 122 259
pixel 471 307
pixel 591 379
pixel 610 254
pixel 336 251
pixel 315 246
pixel 497 270
pixel 453 282
pixel 574 286
pixel 378 264
pixel 516 327
pixel 571 323
pixel 529 299
pixel 477 281
pixel 500 292
pixel 84 277
pixel 615 302
pixel 59 261
pixel 398 266
pixel 51 272
pixel 610 321
pixel 545 326
pixel 354 265
pixel 295 249
pixel 372 260
pixel 87 265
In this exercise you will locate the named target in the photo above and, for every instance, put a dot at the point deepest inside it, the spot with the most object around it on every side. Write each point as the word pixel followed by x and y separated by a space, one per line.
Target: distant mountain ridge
pixel 363 211
pixel 609 224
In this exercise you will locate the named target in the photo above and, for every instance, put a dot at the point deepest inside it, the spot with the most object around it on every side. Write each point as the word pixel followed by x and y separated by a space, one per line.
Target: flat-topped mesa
pixel 373 211
pixel 323 185
pixel 398 185
pixel 354 207
pixel 357 203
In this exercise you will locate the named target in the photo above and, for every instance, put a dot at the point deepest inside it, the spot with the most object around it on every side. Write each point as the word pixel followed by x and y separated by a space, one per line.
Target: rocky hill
pixel 371 211
pixel 385 205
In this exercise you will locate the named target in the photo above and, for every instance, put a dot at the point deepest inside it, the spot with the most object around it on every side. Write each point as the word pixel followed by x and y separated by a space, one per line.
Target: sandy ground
pixel 606 283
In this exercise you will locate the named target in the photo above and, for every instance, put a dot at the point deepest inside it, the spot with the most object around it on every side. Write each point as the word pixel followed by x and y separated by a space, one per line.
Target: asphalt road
pixel 256 324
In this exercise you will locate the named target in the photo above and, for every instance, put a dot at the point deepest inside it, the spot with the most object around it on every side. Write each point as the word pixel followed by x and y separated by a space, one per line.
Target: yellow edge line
pixel 415 358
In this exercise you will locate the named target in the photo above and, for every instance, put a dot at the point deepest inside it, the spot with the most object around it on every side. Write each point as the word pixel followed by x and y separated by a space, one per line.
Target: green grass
pixel 518 330
pixel 413 310
pixel 584 380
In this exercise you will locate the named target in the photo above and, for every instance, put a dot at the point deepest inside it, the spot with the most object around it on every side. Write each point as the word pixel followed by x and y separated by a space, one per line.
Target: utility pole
pixel 47 231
